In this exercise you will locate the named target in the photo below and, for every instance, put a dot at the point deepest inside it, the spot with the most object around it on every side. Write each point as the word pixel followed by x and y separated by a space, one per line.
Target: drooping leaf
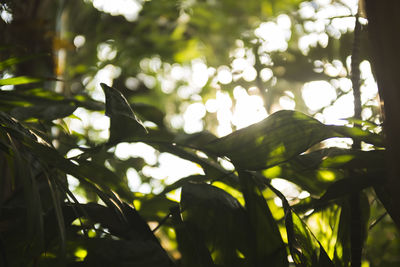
pixel 219 218
pixel 267 244
pixel 124 122
pixel 190 242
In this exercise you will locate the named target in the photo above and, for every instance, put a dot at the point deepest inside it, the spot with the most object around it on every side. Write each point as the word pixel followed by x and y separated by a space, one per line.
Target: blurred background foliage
pixel 192 71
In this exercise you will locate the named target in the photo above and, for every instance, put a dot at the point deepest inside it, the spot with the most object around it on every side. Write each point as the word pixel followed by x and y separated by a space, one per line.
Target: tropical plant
pixel 227 215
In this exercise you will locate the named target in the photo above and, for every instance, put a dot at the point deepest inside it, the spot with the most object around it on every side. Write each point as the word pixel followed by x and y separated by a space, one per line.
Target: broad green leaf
pixel 124 122
pixel 280 137
pixel 195 140
pixel 316 170
pixel 190 243
pixel 276 139
pixel 267 244
pixel 220 219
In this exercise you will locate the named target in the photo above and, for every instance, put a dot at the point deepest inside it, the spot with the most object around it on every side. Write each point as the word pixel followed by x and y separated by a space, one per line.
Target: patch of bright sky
pixel 249 109
pixel 320 24
pixel 274 35
pixel 128 8
pixel 5 15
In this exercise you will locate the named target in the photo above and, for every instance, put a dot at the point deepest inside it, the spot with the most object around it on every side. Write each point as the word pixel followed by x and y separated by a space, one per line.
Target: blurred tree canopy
pixel 198 133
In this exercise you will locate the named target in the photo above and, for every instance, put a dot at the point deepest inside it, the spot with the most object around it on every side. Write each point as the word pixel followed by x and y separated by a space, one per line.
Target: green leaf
pixel 19 80
pixel 356 133
pixel 44 112
pixel 220 219
pixel 196 139
pixel 16 60
pixel 352 184
pixel 190 243
pixel 342 254
pixel 274 140
pixel 150 113
pixel 305 249
pixel 124 122
pixel 316 170
pixel 183 181
pixel 267 244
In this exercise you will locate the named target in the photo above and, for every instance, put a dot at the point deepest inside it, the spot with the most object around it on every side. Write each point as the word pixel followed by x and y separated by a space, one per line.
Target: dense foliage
pixel 66 195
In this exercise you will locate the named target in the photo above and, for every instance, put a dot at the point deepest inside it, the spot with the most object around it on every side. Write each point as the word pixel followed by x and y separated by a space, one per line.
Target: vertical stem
pixel 356 238
pixel 355 74
pixel 260 84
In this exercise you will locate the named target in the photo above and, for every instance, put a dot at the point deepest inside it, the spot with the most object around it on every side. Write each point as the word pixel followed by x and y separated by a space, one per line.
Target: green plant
pixel 226 216
pixel 212 227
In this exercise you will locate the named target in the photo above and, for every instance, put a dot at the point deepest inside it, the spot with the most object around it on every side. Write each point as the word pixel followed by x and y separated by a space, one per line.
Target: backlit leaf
pixel 220 219
pixel 267 244
pixel 274 140
pixel 124 122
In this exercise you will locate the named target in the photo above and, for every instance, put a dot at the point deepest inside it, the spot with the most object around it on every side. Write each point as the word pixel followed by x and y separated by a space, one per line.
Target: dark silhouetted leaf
pixel 316 170
pixel 267 244
pixel 44 112
pixel 219 218
pixel 150 113
pixel 190 242
pixel 352 184
pixel 124 122
pixel 342 255
pixel 305 249
pixel 279 137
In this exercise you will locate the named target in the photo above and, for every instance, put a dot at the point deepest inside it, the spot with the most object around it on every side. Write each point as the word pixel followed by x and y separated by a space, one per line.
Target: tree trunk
pixel 383 25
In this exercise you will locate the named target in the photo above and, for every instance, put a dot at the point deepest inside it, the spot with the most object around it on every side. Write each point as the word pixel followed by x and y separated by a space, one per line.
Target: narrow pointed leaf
pixel 124 122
